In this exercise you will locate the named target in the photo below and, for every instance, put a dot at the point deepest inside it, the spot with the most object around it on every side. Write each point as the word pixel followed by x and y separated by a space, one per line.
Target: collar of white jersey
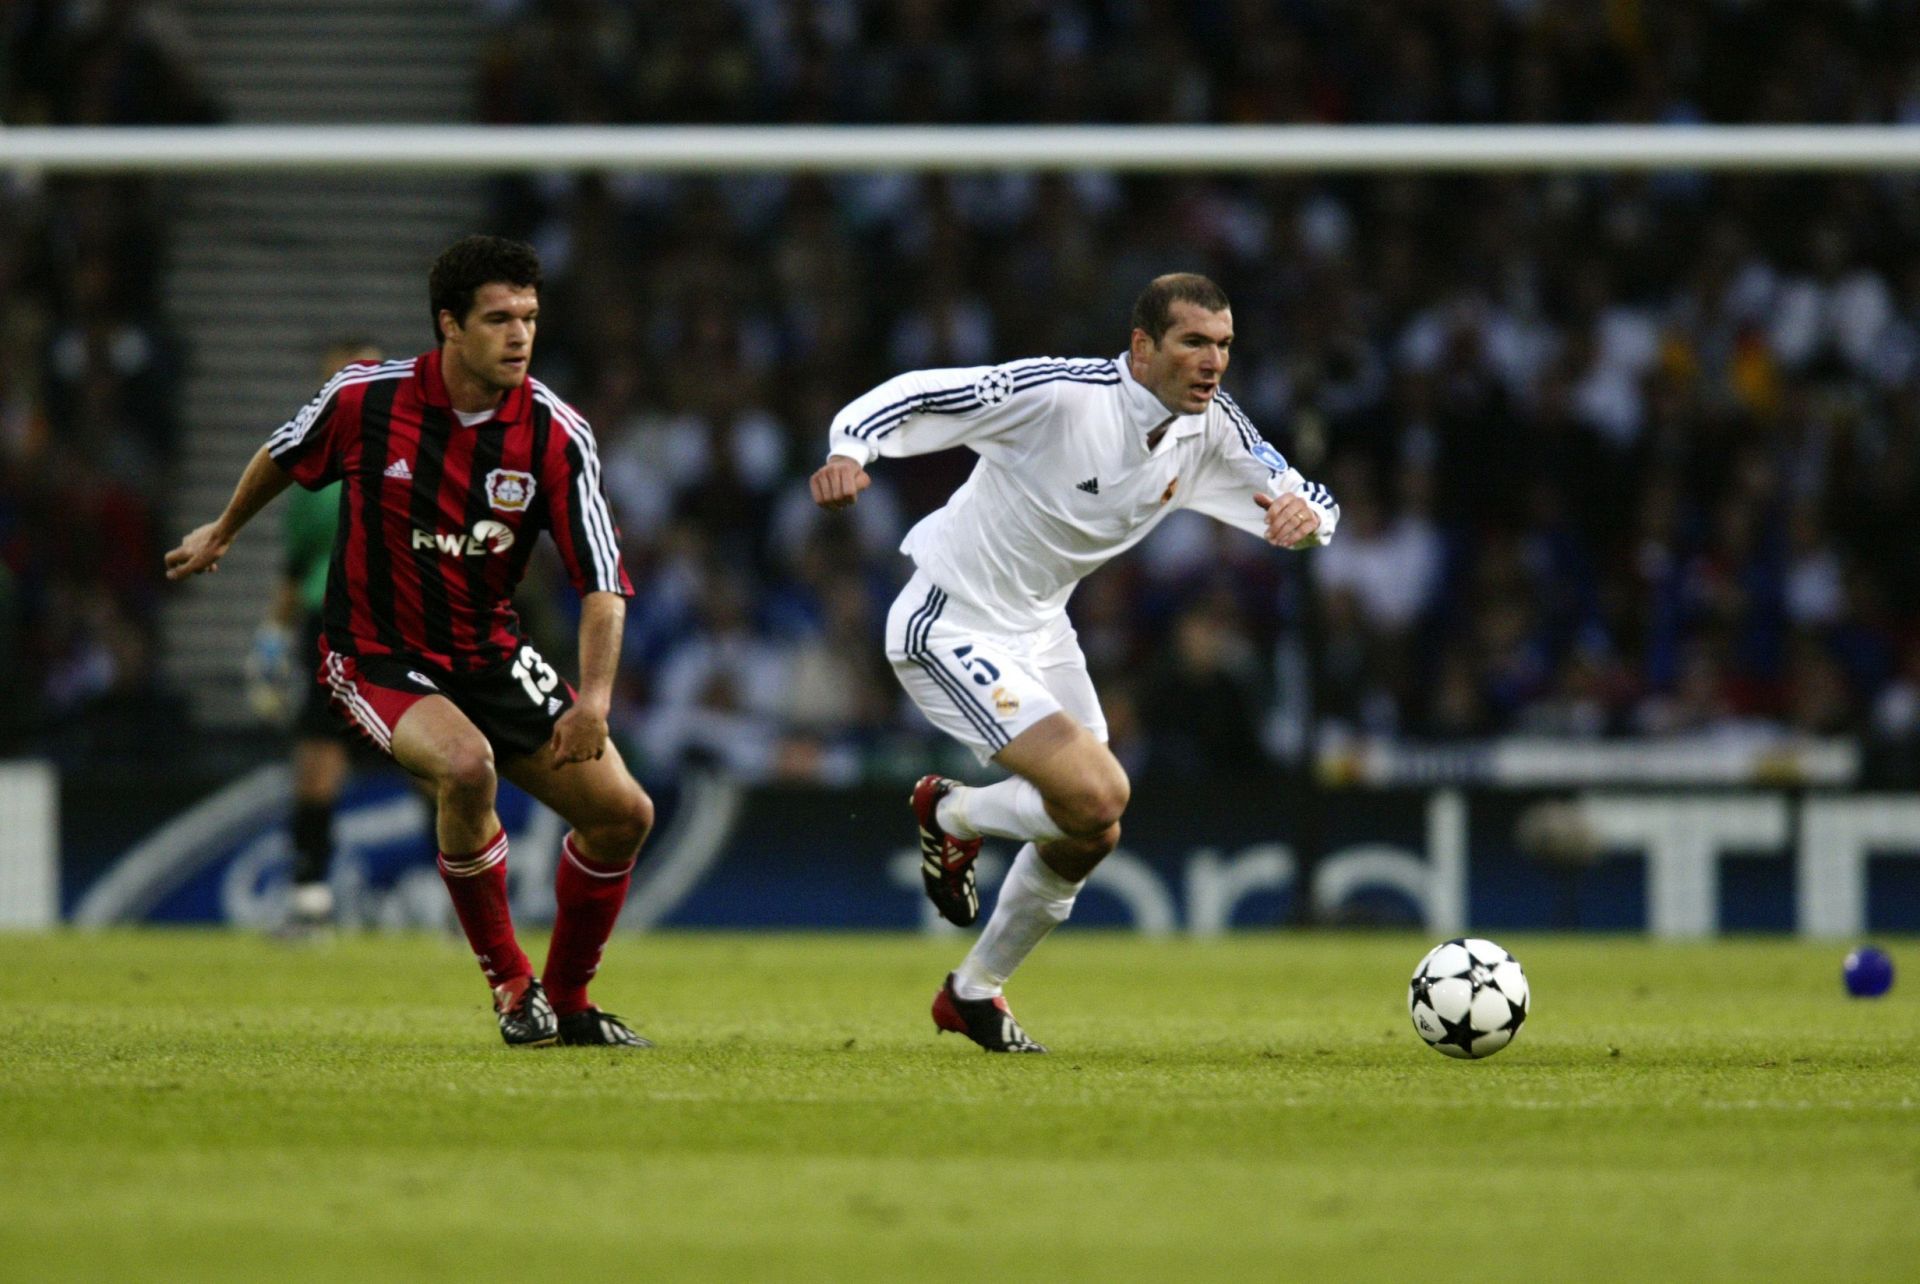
pixel 1146 411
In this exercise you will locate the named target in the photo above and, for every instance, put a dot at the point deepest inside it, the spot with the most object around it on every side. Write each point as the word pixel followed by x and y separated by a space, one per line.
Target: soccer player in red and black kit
pixel 454 462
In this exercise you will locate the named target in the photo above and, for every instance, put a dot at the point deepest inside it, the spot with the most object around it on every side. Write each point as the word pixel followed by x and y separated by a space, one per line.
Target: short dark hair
pixel 1153 310
pixel 472 262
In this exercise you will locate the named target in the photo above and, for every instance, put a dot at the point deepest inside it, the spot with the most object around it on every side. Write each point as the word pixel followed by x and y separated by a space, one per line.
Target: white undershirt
pixel 473 418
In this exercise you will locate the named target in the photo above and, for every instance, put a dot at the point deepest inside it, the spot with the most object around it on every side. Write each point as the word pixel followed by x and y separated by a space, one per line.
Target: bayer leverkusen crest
pixel 509 491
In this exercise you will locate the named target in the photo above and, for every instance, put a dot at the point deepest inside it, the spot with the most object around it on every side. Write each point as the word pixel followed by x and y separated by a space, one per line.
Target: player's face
pixel 1184 368
pixel 495 342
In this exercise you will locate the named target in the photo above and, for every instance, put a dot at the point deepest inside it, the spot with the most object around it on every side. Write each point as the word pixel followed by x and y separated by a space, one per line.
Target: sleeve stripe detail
pixel 603 545
pixel 1249 435
pixel 947 401
pixel 1022 383
pixel 296 429
pixel 1027 373
pixel 1072 365
pixel 1028 378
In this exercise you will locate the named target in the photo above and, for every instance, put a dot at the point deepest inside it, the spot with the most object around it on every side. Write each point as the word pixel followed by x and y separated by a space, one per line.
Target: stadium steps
pixel 339 61
pixel 263 271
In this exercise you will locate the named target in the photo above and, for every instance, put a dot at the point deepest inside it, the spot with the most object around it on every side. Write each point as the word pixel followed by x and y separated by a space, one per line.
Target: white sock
pixel 1033 901
pixel 1011 809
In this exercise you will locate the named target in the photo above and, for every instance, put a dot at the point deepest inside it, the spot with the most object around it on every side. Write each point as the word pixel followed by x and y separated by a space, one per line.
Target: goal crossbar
pixel 827 149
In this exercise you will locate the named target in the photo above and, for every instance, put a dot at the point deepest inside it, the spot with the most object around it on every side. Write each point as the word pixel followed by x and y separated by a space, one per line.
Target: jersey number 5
pixel 980 667
pixel 535 674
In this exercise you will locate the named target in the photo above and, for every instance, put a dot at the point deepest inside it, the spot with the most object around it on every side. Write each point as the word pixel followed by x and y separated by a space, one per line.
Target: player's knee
pixel 1095 845
pixel 619 834
pixel 1106 799
pixel 1095 805
pixel 468 774
pixel 635 819
pixel 1118 793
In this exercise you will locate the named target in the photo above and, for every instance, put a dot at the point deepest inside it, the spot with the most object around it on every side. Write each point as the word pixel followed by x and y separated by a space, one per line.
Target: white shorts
pixel 981 686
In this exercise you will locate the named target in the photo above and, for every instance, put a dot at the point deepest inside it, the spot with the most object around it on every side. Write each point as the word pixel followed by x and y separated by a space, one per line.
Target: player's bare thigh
pixel 1084 785
pixel 600 798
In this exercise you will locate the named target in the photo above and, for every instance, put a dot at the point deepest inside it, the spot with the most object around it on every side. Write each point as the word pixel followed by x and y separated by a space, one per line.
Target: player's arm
pixel 981 407
pixel 581 732
pixel 588 539
pixel 204 546
pixel 299 450
pixel 1246 483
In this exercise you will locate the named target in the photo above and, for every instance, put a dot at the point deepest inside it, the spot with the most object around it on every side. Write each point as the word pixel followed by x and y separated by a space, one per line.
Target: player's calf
pixel 1075 859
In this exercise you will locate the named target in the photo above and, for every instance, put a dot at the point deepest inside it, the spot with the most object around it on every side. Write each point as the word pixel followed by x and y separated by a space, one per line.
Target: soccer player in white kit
pixel 1079 460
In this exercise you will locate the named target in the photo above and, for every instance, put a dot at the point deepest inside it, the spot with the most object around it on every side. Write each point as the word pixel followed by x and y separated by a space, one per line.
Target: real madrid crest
pixel 509 491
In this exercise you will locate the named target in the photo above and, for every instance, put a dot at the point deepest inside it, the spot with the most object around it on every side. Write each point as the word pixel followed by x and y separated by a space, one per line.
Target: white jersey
pixel 1065 480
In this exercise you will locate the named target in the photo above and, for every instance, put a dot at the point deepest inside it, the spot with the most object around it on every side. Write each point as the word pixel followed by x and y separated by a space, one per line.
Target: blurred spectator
pixel 87 431
pixel 1201 702
pixel 718 693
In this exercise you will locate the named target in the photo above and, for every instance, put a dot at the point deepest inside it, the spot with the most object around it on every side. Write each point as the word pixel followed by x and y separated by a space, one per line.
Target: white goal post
pixel 827 149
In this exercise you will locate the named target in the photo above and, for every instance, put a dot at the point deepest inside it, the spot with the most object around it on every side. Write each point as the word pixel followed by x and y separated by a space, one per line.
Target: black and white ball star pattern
pixel 993 387
pixel 1468 998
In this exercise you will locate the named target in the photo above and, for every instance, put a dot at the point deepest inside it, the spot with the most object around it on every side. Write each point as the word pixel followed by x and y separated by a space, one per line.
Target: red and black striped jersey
pixel 438 519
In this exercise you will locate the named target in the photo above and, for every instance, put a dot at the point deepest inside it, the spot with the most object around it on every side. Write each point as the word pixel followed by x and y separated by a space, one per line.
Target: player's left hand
pixel 579 736
pixel 1291 521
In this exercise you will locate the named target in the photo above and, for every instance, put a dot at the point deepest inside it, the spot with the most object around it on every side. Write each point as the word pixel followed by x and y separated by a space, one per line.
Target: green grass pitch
pixel 179 1106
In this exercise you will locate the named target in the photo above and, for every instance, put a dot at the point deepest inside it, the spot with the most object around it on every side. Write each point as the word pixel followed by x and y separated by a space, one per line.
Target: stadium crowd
pixel 88 388
pixel 1617 454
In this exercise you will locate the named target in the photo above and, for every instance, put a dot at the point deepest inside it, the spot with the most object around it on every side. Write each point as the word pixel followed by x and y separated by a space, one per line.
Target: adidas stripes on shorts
pixel 981 686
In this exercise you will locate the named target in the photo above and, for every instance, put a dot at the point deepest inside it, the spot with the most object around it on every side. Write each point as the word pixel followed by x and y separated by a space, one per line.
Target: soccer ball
pixel 1468 998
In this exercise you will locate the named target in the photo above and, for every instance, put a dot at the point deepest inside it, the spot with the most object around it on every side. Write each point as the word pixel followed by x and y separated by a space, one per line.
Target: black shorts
pixel 515 703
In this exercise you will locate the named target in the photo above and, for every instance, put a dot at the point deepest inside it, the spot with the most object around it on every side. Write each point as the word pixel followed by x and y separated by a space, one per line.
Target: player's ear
pixel 449 324
pixel 1142 345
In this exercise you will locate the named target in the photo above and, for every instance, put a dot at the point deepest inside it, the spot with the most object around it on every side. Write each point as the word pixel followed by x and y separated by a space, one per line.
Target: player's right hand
pixel 200 551
pixel 839 483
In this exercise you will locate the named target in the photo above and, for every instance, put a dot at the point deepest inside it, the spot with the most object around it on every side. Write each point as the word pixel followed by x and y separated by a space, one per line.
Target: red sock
pixel 478 883
pixel 587 898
